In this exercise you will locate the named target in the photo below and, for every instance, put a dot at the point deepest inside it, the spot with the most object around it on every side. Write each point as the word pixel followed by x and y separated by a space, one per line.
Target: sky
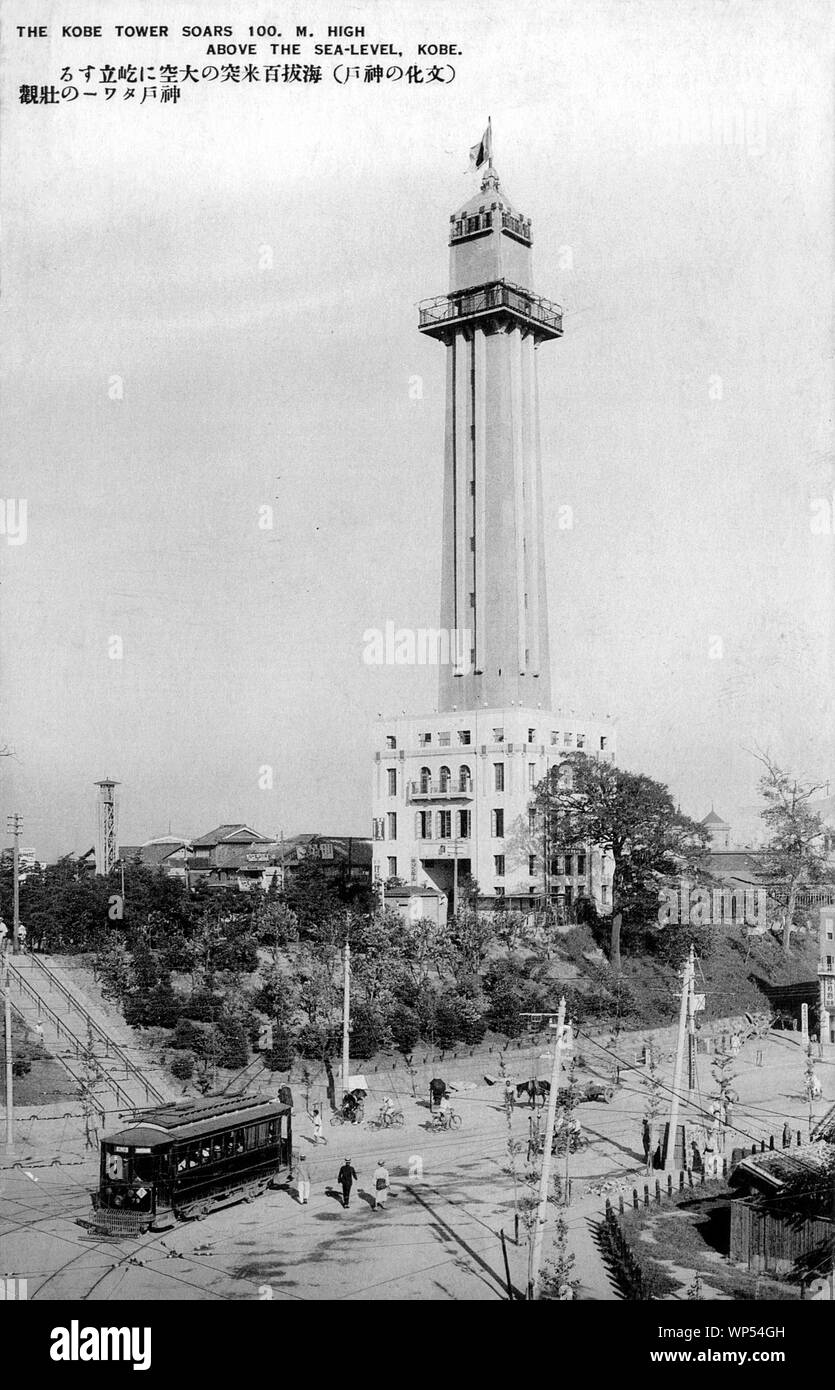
pixel 209 309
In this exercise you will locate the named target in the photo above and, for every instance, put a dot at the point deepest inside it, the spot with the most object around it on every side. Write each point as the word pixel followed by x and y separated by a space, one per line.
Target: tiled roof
pixel 235 831
pixel 713 819
pixel 152 854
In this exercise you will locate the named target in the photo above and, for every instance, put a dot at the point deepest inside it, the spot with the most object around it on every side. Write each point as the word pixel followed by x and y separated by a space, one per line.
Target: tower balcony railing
pixel 499 297
pixel 424 790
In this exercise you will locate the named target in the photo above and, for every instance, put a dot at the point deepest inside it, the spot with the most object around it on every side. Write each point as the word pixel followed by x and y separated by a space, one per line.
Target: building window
pixel 531 863
pixel 423 825
pixel 531 735
pixel 498 777
pixel 425 780
pixel 444 738
pixel 464 736
pixel 444 777
pixel 568 740
pixel 392 826
pixel 498 865
pixel 531 776
pixel 556 866
pixel 498 735
pixel 472 599
pixel 532 826
pixel 391 741
pixel 499 892
pixel 392 780
pixel 581 740
pixel 425 740
pixel 392 866
pixel 463 825
pixel 464 778
pixel 604 894
pixel 568 895
pixel 379 828
pixel 444 825
pixel 581 866
pixel 497 823
pixel 602 743
pixel 555 736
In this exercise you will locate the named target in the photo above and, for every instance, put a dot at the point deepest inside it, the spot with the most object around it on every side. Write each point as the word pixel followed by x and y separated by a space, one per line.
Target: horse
pixel 533 1089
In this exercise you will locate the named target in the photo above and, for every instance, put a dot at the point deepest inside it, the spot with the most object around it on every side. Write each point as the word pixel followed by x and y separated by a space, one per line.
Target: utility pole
pixel 684 1012
pixel 7 1010
pixel 545 1175
pixel 14 828
pixel 346 1011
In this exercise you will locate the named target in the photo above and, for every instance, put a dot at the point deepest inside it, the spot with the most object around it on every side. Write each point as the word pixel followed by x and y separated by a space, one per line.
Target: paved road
pixel 439 1239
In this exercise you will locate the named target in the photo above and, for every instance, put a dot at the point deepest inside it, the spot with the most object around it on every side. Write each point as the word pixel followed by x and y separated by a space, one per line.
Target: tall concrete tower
pixel 493 586
pixel 452 788
pixel 107 850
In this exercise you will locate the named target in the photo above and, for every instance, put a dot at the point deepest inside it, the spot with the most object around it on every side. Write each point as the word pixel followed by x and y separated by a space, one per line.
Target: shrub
pixel 404 1025
pixel 280 1055
pixel 232 1046
pixel 192 1036
pixel 182 1066
pixel 369 1033
pixel 203 1005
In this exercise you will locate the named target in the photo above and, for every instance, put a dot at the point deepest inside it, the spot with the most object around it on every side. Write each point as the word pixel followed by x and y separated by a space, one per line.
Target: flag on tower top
pixel 482 153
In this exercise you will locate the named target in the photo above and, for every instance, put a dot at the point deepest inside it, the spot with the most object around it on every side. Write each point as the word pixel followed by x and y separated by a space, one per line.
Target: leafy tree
pixel 591 803
pixel 795 854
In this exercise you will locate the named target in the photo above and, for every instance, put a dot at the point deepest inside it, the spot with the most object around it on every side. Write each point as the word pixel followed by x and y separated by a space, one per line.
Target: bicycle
pixel 388 1119
pixel 340 1118
pixel 448 1121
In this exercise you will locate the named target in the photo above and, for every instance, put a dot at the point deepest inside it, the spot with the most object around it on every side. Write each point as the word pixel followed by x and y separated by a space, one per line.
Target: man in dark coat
pixel 437 1091
pixel 346 1177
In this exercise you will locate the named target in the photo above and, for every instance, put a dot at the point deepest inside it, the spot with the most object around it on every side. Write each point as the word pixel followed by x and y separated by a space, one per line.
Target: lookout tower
pixel 493 588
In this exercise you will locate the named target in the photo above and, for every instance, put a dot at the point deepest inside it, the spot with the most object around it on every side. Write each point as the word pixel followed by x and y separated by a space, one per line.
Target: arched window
pixel 464 778
pixel 565 776
pixel 444 778
pixel 425 779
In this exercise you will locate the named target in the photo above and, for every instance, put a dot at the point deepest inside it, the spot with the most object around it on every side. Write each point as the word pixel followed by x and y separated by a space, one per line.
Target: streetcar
pixel 178 1162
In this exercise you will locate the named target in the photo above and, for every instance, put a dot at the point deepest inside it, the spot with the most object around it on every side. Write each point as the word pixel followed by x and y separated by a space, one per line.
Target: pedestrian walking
pixel 646 1139
pixel 787 1135
pixel 381 1186
pixel 346 1177
pixel 318 1135
pixel 302 1179
pixel 21 936
pixel 509 1093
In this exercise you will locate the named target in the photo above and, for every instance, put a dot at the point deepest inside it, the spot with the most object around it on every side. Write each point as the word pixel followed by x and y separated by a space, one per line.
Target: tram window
pixel 261 1134
pixel 205 1152
pixel 240 1142
pixel 229 1144
pixel 217 1150
pixel 252 1136
pixel 180 1160
pixel 271 1131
